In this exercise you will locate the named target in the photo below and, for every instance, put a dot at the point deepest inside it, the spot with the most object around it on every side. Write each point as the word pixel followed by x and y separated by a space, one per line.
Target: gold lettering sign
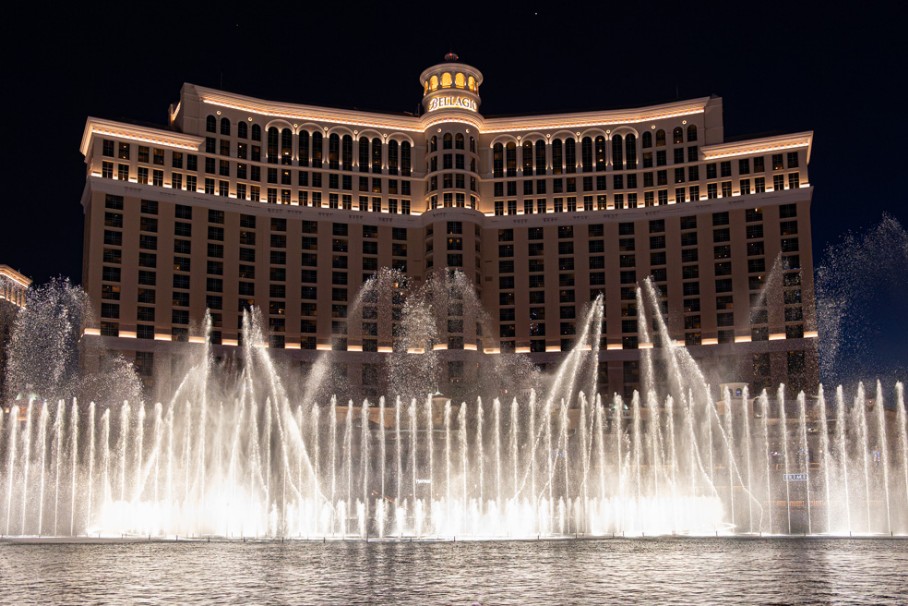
pixel 452 102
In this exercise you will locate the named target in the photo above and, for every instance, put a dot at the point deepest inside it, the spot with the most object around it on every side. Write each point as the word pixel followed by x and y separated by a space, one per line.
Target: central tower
pixel 451 85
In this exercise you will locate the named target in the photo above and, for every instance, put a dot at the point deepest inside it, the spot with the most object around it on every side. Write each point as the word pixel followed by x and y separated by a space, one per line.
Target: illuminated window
pixel 446 80
pixel 433 83
pixel 459 80
pixel 471 83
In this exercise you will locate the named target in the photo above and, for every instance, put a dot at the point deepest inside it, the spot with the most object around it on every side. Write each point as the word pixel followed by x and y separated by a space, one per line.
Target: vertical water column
pixel 842 452
pixel 74 459
pixel 902 422
pixel 11 463
pixel 805 453
pixel 58 461
pixel 824 452
pixel 26 460
pixel 883 446
pixel 783 422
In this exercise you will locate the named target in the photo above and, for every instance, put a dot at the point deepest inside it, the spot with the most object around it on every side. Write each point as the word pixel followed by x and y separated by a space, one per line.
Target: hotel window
pixel 527 160
pixel 540 157
pixel 660 158
pixel 778 182
pixel 304 148
pixel 759 185
pixel 745 187
pixel 317 148
pixel 777 162
pixel 712 191
pixel 570 155
pixel 557 157
pixel 631 147
pixel 694 193
pixel 726 189
pixel 176 181
pixel 793 181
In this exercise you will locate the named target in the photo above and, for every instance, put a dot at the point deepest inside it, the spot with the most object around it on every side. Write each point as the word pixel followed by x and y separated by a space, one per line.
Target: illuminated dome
pixel 451 85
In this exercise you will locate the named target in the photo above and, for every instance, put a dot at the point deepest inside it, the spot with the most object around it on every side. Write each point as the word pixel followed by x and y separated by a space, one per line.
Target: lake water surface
pixel 610 571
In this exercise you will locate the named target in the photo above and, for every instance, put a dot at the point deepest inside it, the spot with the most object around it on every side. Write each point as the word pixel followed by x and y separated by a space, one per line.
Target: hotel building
pixel 240 201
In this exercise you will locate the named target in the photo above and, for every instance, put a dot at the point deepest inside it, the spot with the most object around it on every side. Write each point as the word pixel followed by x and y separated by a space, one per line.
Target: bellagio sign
pixel 452 102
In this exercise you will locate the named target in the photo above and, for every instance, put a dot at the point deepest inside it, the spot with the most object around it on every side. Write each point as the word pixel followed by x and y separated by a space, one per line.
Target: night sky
pixel 779 67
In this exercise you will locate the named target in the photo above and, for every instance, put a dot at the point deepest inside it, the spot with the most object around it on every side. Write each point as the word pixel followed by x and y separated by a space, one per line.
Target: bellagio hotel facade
pixel 242 202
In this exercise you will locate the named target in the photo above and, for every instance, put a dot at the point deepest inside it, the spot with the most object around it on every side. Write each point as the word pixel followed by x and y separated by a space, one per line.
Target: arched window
pixel 692 133
pixel 512 159
pixel 458 140
pixel 586 154
pixel 242 131
pixel 570 155
pixel 617 152
pixel 256 132
pixel 472 145
pixel 446 80
pixel 273 137
pixel 225 126
pixel 498 161
pixel 557 157
pixel 527 158
pixel 211 124
pixel 405 158
pixel 473 165
pixel 660 138
pixel 392 157
pixel 447 141
pixel 304 148
pixel 630 144
pixel 433 83
pixel 333 151
pixel 471 83
pixel 286 146
pixel 433 144
pixel 540 157
pixel 678 135
pixel 460 81
pixel 376 155
pixel 317 149
pixel 364 155
pixel 600 153
pixel 347 152
pixel 646 139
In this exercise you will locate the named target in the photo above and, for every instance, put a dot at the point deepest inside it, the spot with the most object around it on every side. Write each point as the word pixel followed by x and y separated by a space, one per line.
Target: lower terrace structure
pixel 13 289
pixel 242 202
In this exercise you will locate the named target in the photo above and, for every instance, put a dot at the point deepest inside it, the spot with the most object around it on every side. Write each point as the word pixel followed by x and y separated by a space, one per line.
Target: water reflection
pixel 665 571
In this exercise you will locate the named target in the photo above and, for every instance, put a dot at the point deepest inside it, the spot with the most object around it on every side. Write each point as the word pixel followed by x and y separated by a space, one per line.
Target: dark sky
pixel 779 67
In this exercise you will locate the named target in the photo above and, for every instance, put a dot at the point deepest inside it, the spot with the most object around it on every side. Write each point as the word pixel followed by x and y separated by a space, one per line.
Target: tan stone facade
pixel 290 208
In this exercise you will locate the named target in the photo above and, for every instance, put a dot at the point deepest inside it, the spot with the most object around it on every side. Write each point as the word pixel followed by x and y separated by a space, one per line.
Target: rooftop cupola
pixel 451 85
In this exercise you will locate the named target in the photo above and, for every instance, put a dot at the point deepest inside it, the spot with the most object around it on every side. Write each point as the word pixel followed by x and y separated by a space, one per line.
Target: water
pixel 237 454
pixel 651 571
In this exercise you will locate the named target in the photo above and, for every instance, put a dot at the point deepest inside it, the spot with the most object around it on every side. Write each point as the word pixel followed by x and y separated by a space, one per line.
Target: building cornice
pixel 142 134
pixel 312 113
pixel 613 117
pixel 759 146
pixel 8 272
